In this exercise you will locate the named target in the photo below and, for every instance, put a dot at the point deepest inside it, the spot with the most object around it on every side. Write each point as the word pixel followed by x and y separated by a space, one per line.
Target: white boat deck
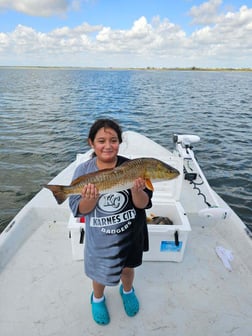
pixel 44 292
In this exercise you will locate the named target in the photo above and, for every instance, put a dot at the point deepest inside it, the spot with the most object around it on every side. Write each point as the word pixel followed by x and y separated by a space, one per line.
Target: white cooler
pixel 167 242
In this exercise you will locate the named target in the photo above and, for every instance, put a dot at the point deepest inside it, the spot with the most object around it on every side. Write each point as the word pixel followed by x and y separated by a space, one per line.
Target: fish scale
pixel 118 178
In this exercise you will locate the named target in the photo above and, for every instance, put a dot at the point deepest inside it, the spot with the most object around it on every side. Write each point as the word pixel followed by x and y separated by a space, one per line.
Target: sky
pixel 129 33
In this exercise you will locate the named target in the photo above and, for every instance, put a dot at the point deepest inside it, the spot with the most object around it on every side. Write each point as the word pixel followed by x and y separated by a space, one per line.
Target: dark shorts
pixel 140 243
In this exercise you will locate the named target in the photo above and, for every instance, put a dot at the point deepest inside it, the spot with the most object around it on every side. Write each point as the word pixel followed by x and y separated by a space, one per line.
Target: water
pixel 45 115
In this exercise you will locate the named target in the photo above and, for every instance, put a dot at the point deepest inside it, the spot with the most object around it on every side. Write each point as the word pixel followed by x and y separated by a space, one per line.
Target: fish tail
pixel 58 192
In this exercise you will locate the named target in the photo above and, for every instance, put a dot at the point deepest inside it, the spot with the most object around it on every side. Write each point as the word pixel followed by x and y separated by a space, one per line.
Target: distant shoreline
pixel 124 68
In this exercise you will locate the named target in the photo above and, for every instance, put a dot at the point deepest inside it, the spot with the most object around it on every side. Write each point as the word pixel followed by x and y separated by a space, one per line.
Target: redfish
pixel 118 178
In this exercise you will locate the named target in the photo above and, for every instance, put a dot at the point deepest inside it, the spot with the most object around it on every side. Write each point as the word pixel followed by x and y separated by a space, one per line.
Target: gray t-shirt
pixel 112 230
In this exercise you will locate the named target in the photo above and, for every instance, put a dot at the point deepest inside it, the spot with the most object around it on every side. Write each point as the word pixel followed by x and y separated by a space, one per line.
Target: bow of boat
pixel 44 291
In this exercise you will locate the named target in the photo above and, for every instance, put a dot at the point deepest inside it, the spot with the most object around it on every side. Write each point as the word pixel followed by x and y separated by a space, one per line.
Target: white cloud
pixel 232 31
pixel 206 13
pixel 39 7
pixel 142 38
pixel 224 41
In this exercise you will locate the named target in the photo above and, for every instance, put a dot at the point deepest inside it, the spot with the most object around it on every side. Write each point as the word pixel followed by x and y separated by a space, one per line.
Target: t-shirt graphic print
pixel 109 233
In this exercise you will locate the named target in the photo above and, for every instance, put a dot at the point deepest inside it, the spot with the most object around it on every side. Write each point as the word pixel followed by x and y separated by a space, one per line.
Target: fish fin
pixel 149 185
pixel 58 192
